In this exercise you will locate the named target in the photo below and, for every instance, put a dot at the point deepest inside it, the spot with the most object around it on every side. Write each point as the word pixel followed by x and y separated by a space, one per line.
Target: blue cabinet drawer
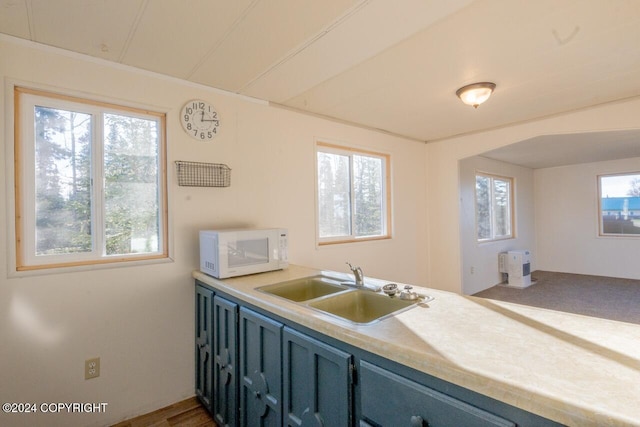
pixel 391 400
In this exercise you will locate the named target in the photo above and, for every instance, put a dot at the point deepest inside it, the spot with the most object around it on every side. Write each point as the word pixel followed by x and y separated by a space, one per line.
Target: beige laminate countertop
pixel 576 370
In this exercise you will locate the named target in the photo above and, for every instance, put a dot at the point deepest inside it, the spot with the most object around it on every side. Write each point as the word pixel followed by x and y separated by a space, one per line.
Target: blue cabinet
pixel 317 382
pixel 260 370
pixel 257 369
pixel 204 332
pixel 225 362
pixel 389 399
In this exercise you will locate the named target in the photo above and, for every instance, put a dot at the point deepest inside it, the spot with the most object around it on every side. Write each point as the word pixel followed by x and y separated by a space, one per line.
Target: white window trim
pixel 25 260
pixel 512 220
pixel 327 147
pixel 601 233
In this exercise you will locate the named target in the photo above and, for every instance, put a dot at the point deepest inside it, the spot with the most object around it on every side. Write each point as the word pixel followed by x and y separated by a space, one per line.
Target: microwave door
pixel 242 253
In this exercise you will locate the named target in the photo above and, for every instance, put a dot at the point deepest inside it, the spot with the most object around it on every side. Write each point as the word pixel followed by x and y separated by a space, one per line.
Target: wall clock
pixel 200 120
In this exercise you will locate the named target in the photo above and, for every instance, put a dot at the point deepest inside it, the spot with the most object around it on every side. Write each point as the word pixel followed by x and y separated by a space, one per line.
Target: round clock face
pixel 200 120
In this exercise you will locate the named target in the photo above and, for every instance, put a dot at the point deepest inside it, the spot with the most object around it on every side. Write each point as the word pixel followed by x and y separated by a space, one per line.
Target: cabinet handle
pixel 417 421
pixel 225 365
pixel 311 419
pixel 257 384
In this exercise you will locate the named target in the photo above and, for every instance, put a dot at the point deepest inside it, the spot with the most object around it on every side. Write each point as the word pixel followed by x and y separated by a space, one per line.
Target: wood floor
pixel 187 413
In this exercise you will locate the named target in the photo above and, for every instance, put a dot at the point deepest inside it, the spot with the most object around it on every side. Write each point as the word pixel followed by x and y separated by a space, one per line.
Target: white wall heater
pixel 517 266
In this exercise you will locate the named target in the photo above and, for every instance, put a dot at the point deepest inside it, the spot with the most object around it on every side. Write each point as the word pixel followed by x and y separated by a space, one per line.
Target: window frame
pixel 326 147
pixel 601 232
pixel 511 207
pixel 24 189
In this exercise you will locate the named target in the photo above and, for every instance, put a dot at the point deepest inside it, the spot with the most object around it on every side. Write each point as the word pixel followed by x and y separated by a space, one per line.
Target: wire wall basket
pixel 197 174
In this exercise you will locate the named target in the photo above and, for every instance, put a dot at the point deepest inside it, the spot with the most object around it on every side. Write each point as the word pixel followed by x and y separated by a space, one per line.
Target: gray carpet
pixel 605 297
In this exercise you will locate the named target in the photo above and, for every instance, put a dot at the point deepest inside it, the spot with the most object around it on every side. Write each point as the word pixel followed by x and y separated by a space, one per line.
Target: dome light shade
pixel 476 93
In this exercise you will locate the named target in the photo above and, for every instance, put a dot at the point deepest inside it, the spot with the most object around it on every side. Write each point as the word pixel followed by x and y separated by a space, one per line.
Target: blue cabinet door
pixel 204 329
pixel 388 399
pixel 316 381
pixel 260 370
pixel 225 362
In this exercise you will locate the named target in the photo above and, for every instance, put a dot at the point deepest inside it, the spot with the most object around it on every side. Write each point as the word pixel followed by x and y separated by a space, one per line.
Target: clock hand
pixel 202 116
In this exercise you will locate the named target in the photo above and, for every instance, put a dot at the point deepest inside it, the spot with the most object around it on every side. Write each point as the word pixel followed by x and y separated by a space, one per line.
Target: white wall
pixel 139 319
pixel 567 222
pixel 480 260
pixel 445 264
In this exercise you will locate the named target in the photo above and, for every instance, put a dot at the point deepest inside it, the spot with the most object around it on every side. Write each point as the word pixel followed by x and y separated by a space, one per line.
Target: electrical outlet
pixel 91 368
pixel 473 270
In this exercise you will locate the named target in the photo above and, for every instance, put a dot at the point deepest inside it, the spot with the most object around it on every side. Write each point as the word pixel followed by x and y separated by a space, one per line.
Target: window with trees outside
pixel 352 195
pixel 620 204
pixel 494 212
pixel 90 182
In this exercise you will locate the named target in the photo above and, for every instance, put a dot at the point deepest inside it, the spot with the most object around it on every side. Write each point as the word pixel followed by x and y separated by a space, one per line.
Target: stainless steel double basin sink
pixel 339 299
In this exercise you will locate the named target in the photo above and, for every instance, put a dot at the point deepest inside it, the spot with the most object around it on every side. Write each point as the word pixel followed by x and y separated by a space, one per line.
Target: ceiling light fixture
pixel 476 93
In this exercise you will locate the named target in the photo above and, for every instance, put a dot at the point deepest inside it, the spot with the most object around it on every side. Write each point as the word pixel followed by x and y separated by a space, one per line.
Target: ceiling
pixel 548 151
pixel 389 65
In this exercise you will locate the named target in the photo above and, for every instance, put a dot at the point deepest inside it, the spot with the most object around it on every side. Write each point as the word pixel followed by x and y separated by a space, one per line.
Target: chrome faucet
pixel 357 272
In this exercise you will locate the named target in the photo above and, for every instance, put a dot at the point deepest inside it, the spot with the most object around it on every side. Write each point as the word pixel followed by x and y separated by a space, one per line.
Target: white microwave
pixel 229 253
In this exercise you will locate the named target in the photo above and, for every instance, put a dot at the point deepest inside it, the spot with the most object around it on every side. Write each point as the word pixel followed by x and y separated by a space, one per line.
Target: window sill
pixel 360 240
pixel 501 239
pixel 45 270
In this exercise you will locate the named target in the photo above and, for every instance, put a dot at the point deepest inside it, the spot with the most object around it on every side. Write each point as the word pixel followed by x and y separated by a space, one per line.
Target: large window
pixel 90 182
pixel 494 212
pixel 353 195
pixel 620 204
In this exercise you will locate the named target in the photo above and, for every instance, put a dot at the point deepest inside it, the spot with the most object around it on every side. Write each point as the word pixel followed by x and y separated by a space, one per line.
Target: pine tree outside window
pixel 90 182
pixel 352 195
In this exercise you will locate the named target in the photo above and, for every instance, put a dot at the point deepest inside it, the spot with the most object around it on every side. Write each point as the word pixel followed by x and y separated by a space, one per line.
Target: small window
pixel 352 195
pixel 90 182
pixel 619 204
pixel 494 211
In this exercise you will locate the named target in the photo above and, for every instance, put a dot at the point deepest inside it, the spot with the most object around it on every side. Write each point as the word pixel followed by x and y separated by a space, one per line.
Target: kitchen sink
pixel 304 289
pixel 361 306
